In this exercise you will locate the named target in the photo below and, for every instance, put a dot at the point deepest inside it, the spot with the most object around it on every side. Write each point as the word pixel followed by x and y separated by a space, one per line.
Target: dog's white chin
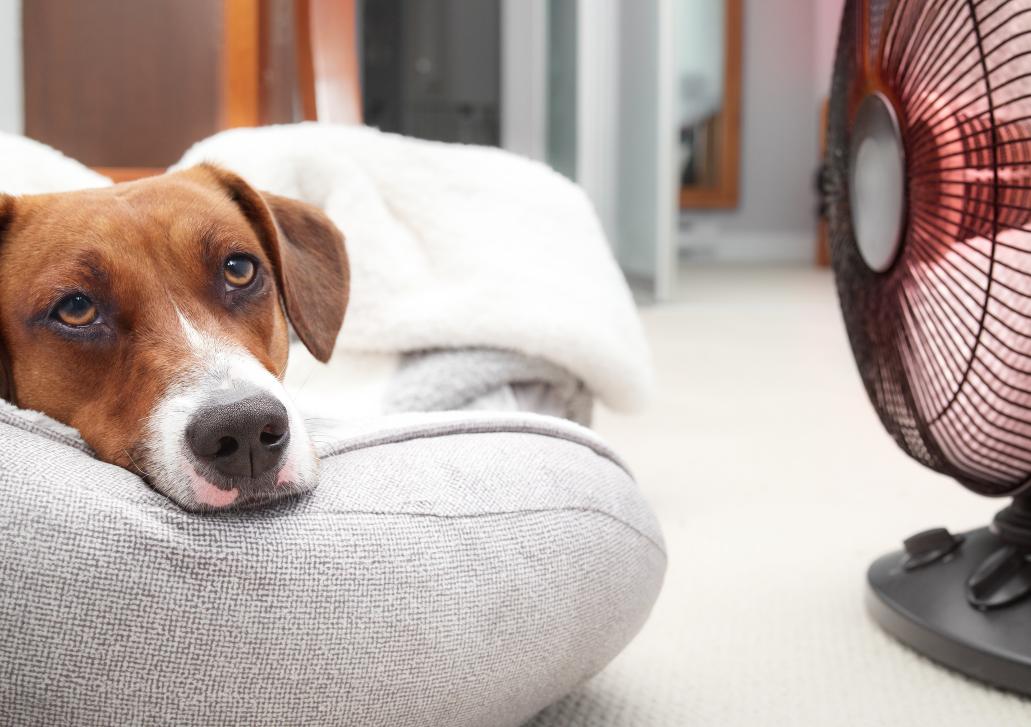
pixel 218 365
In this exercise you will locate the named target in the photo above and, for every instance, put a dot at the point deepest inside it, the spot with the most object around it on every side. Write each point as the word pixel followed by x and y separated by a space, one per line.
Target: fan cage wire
pixel 943 338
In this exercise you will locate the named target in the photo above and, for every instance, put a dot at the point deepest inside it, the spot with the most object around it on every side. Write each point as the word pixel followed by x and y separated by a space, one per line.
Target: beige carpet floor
pixel 776 486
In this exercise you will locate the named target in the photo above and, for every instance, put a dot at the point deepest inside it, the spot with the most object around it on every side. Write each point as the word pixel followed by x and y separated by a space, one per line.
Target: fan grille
pixel 943 338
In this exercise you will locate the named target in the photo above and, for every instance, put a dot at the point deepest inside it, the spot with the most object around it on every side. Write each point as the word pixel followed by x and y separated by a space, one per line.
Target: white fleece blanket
pixel 450 246
pixel 28 167
pixel 456 246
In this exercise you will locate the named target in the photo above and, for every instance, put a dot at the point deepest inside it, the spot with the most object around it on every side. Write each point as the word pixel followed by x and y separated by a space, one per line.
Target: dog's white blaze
pixel 216 364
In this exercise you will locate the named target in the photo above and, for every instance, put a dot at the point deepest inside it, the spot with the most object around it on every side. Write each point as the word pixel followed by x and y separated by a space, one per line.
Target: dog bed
pixel 451 569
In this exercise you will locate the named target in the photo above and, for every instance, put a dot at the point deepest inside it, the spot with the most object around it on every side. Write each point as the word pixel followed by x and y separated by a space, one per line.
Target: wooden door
pixel 127 87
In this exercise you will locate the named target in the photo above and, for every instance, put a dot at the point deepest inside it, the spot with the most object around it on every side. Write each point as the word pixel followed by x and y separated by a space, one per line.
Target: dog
pixel 151 316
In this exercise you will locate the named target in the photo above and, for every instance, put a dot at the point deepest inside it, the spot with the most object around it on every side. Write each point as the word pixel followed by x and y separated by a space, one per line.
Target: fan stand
pixel 963 600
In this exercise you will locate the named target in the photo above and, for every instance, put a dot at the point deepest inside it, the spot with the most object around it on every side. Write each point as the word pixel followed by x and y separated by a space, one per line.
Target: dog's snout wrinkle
pixel 240 433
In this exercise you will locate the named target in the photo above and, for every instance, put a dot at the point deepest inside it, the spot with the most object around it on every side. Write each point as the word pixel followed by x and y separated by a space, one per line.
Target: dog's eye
pixel 76 310
pixel 239 271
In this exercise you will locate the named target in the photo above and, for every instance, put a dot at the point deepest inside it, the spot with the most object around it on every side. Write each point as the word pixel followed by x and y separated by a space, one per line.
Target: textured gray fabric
pixel 487 378
pixel 462 570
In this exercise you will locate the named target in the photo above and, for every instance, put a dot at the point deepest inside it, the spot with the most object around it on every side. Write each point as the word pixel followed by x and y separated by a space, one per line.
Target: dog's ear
pixel 314 272
pixel 6 217
pixel 308 253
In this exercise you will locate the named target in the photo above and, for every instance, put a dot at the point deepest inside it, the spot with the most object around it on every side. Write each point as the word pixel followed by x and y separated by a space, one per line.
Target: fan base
pixel 928 609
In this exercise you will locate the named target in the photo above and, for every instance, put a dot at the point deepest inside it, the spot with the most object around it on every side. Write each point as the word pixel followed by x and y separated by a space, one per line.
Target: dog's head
pixel 152 317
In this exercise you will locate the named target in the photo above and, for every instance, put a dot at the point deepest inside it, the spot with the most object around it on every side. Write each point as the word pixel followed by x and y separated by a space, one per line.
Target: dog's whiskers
pixel 306 380
pixel 138 468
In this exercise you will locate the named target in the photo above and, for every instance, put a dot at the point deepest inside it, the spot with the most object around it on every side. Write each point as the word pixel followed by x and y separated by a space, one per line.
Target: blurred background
pixel 694 125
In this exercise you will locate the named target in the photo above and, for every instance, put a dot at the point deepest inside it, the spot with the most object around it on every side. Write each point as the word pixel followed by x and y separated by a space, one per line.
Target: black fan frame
pixel 875 330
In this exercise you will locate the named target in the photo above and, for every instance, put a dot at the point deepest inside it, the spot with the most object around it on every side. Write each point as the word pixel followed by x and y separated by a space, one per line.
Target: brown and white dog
pixel 150 317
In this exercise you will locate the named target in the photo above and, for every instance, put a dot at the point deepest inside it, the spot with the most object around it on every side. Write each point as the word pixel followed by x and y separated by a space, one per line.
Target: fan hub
pixel 877 171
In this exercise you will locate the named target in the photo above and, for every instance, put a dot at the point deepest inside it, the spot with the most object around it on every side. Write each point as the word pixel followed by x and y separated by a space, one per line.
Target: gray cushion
pixel 449 570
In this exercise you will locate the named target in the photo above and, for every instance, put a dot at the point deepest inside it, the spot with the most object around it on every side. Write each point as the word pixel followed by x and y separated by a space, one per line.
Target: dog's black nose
pixel 241 433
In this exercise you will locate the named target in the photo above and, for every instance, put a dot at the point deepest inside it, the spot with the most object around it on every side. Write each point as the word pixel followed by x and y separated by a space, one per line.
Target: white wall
pixel 524 77
pixel 644 201
pixel 787 47
pixel 11 118
pixel 827 23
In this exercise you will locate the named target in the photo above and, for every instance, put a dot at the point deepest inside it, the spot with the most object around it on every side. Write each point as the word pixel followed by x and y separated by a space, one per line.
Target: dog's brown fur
pixel 147 252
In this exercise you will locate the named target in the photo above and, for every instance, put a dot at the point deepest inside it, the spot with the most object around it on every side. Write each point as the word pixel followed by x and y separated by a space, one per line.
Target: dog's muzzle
pixel 225 433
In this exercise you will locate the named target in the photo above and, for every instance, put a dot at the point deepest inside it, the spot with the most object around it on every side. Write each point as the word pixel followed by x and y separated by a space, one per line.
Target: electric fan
pixel 928 197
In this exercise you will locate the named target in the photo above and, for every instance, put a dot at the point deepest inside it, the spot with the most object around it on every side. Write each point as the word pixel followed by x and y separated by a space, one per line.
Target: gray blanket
pixel 486 379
